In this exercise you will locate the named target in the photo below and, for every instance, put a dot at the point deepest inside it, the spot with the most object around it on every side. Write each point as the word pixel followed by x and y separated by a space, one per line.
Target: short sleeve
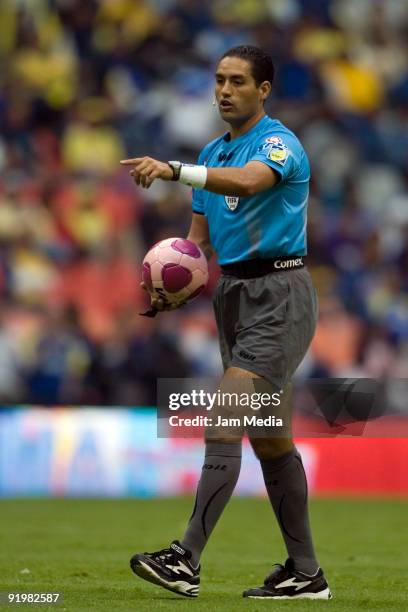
pixel 198 203
pixel 278 152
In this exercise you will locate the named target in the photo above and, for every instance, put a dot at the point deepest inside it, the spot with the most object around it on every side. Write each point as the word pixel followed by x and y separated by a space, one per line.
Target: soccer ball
pixel 175 270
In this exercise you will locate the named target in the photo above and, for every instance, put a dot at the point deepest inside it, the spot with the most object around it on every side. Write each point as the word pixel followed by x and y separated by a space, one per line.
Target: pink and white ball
pixel 175 270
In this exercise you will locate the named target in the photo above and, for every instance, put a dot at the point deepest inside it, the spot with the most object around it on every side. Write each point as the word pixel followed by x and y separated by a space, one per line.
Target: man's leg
pixel 220 471
pixel 177 568
pixel 286 484
pixel 285 481
pixel 219 476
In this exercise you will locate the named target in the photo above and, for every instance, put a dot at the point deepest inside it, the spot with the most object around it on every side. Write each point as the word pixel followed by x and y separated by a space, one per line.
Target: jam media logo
pixel 232 202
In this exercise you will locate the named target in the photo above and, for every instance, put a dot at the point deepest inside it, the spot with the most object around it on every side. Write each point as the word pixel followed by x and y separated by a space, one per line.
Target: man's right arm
pixel 200 235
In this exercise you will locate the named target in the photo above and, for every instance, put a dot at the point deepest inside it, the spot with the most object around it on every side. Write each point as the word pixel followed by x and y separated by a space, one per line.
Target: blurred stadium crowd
pixel 84 84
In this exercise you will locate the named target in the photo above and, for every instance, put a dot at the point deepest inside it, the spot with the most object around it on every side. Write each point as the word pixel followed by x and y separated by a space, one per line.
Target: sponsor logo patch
pixel 232 202
pixel 274 143
pixel 274 140
pixel 278 153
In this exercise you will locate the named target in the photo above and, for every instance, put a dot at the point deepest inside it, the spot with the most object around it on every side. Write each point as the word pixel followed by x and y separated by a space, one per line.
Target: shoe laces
pixel 285 570
pixel 166 554
pixel 279 568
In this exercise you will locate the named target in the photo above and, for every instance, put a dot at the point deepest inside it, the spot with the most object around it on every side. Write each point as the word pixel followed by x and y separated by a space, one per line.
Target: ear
pixel 265 89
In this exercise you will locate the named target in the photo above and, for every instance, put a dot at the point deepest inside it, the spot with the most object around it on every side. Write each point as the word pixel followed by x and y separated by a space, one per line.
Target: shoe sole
pixel 323 595
pixel 181 587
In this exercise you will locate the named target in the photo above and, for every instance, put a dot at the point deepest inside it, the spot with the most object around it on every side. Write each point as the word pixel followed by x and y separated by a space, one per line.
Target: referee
pixel 250 194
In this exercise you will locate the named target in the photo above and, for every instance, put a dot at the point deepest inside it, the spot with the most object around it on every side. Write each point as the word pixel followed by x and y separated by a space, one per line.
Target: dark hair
pixel 261 63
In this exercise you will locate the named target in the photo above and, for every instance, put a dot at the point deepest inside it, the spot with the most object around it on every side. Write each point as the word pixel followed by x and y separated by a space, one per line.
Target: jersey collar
pixel 255 128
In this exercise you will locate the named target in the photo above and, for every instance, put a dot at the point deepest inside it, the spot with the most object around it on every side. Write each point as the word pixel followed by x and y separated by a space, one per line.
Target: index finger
pixel 131 162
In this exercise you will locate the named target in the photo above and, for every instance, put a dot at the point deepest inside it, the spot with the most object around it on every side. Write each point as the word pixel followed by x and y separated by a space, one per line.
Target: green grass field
pixel 81 548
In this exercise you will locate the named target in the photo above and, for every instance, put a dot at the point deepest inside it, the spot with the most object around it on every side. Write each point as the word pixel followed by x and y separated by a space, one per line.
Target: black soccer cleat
pixel 170 568
pixel 287 583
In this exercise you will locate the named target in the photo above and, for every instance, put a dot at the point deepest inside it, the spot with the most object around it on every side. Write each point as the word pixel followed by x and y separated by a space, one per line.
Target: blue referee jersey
pixel 271 223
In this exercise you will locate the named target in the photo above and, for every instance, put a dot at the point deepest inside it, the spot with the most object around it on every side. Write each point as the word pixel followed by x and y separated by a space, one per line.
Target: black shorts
pixel 266 324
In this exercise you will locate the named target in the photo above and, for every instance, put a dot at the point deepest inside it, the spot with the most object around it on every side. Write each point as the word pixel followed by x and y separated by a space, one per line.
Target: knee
pixel 271 448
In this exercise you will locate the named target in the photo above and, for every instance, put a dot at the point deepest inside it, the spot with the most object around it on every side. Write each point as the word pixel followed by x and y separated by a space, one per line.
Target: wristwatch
pixel 176 167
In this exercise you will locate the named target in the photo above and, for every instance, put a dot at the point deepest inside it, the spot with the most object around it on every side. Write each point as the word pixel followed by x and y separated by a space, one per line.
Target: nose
pixel 225 90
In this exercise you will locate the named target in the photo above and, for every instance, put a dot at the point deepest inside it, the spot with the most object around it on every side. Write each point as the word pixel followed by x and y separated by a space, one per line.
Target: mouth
pixel 226 105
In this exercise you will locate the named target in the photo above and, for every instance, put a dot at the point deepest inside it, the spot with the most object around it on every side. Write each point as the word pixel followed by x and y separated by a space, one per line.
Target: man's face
pixel 236 92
